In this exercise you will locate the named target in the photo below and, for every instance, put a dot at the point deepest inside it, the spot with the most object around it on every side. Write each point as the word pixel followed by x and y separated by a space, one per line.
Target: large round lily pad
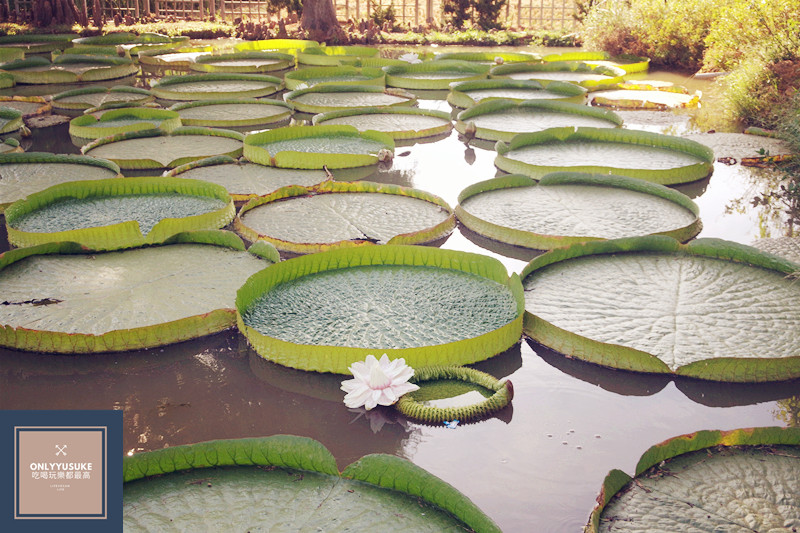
pixel 655 157
pixel 116 121
pixel 216 86
pixel 173 58
pixel 316 147
pixel 568 207
pixel 233 113
pixel 245 62
pixel 339 214
pixel 342 75
pixel 468 93
pixel 741 480
pixel 30 106
pixel 325 311
pixel 37 43
pixel 89 97
pixel 289 46
pixel 289 483
pixel 335 55
pixel 434 74
pixel 399 122
pixel 159 149
pixel 590 76
pixel 113 214
pixel 627 62
pixel 500 120
pixel 709 309
pixel 27 173
pixel 62 298
pixel 324 98
pixel 644 96
pixel 69 68
pixel 491 57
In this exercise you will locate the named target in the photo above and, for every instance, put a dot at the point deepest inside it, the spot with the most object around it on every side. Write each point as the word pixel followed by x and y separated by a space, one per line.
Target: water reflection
pixel 498 247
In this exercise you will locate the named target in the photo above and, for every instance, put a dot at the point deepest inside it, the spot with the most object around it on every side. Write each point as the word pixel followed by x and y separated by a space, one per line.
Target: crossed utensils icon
pixel 61 450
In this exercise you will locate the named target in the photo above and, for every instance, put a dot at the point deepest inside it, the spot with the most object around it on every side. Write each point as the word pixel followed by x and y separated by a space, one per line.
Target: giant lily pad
pixel 709 309
pixel 663 159
pixel 216 86
pixel 10 119
pixel 398 122
pixel 117 121
pixel 590 76
pixel 30 106
pixel 173 58
pixel 629 63
pixel 740 480
pixel 335 55
pixel 63 298
pixel 644 96
pixel 344 75
pixel 568 207
pixel 316 147
pixel 37 43
pixel 339 214
pixel 131 42
pixel 291 483
pixel 324 98
pixel 89 97
pixel 27 173
pixel 290 46
pixel 233 112
pixel 69 68
pixel 493 58
pixel 247 62
pixel 468 93
pixel 434 74
pixel 113 214
pixel 325 311
pixel 501 120
pixel 159 149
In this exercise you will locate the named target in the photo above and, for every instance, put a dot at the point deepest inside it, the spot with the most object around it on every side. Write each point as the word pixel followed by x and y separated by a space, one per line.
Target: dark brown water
pixel 537 466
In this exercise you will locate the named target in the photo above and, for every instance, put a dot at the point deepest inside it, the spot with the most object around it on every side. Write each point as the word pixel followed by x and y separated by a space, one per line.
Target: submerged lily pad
pixel 316 147
pixel 343 75
pixel 62 298
pixel 655 157
pixel 468 93
pixel 27 173
pixel 246 62
pixel 113 214
pixel 69 68
pixel 589 76
pixel 159 149
pixel 89 97
pixel 288 482
pixel 568 207
pixel 325 311
pixel 216 86
pixel 739 480
pixel 433 74
pixel 233 112
pixel 339 214
pixel 501 120
pixel 325 98
pixel 709 309
pixel 116 121
pixel 398 122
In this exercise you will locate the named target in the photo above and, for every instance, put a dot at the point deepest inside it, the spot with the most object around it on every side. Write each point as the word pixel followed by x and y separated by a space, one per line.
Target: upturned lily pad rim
pixel 168 88
pixel 206 63
pixel 123 339
pixel 615 74
pixel 48 157
pixel 303 453
pixel 253 121
pixel 627 62
pixel 335 55
pixel 120 235
pixel 56 100
pixel 725 369
pixel 538 241
pixel 276 44
pixel 373 75
pixel 426 235
pixel 150 56
pixel 321 118
pixel 291 96
pixel 90 127
pixel 671 176
pixel 255 152
pixel 396 75
pixel 107 68
pixel 13 118
pixel 337 359
pixel 459 91
pixel 488 56
pixel 616 479
pixel 503 392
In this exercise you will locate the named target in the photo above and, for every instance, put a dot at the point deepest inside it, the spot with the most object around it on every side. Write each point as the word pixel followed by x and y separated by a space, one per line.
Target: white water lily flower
pixel 410 57
pixel 377 382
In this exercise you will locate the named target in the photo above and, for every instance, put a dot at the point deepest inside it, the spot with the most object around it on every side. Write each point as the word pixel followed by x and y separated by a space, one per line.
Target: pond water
pixel 536 466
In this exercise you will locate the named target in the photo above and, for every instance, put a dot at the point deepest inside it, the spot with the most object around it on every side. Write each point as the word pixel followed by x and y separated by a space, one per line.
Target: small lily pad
pixel 216 86
pixel 343 75
pixel 399 122
pixel 233 112
pixel 468 93
pixel 325 98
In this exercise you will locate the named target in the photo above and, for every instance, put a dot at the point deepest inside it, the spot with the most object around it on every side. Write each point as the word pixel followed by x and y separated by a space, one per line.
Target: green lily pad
pixel 131 42
pixel 488 57
pixel 739 480
pixel 30 106
pixel 590 76
pixel 290 46
pixel 342 75
pixel 339 214
pixel 233 112
pixel 501 120
pixel 434 74
pixel 398 122
pixel 291 483
pixel 37 43
pixel 644 96
pixel 69 68
pixel 117 121
pixel 568 207
pixel 468 93
pixel 10 145
pixel 216 86
pixel 113 214
pixel 159 149
pixel 10 54
pixel 10 119
pixel 335 55
pixel 629 63
pixel 27 173
pixel 7 80
pixel 786 247
pixel 316 147
pixel 63 298
pixel 89 97
pixel 325 98
pixel 655 157
pixel 709 309
pixel 246 62
pixel 175 58
pixel 326 310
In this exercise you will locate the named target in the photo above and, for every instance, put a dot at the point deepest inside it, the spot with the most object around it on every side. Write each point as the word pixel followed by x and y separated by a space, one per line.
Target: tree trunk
pixel 319 20
pixel 47 12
